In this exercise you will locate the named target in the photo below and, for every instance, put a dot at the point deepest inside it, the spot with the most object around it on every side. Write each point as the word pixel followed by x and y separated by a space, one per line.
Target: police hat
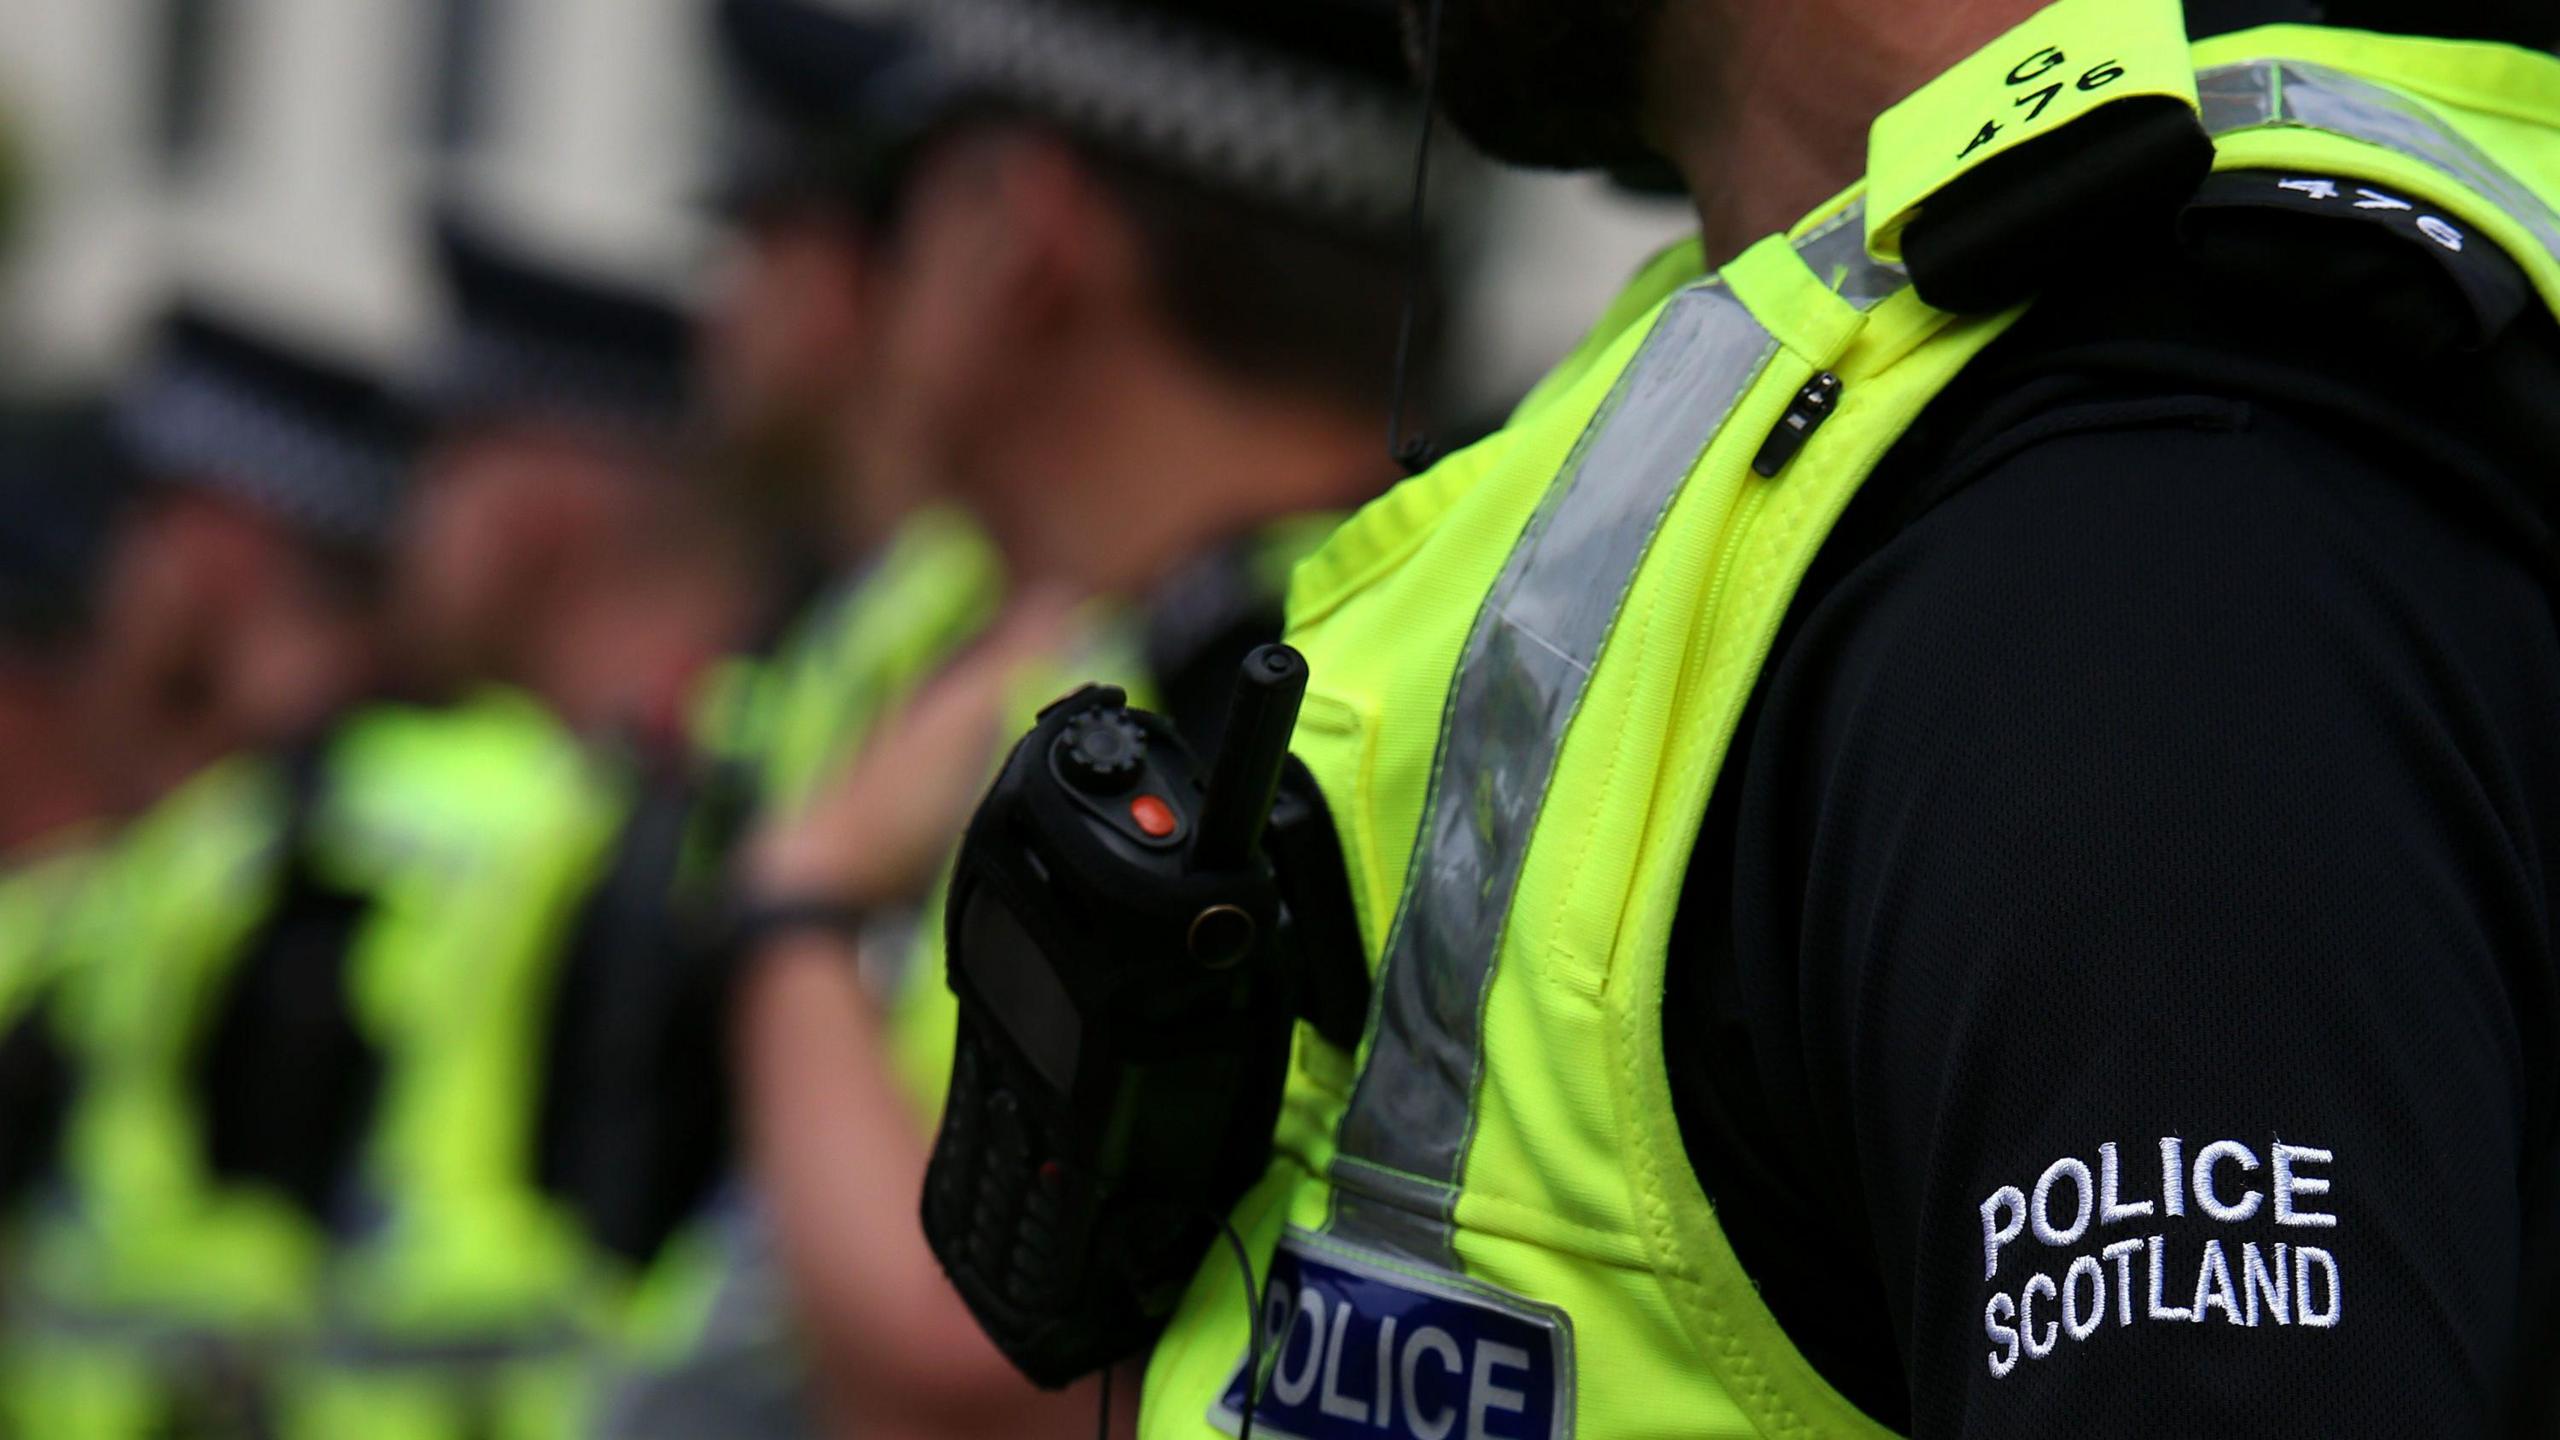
pixel 1303 104
pixel 822 92
pixel 314 440
pixel 534 336
pixel 62 482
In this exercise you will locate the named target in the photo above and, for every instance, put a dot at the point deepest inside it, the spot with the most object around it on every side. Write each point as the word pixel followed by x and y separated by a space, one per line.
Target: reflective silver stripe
pixel 1836 252
pixel 1527 663
pixel 2261 93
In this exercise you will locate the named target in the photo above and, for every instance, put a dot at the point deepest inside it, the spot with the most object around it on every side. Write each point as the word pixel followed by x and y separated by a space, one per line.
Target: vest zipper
pixel 1813 405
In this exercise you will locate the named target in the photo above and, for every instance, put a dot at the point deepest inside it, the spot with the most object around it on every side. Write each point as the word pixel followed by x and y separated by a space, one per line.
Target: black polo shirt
pixel 2115 991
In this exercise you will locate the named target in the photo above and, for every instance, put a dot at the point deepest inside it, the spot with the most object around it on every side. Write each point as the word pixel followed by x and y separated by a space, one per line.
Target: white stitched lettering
pixel 2211 1203
pixel 2071 1320
pixel 1995 1324
pixel 1995 1234
pixel 2109 1211
pixel 2158 1310
pixel 2304 1257
pixel 2122 1252
pixel 2291 1184
pixel 2027 1318
pixel 2262 1280
pixel 2214 1290
pixel 2042 1214
pixel 2207 1192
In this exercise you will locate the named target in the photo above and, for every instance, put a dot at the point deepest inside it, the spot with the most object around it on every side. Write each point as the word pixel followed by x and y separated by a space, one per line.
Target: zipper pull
pixel 1813 405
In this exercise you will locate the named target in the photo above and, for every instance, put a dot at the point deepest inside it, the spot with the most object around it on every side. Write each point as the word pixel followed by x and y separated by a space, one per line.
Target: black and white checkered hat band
pixel 1322 141
pixel 188 425
pixel 502 372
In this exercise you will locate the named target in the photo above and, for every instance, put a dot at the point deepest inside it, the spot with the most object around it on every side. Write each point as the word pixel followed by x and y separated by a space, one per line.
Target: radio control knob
pixel 1102 753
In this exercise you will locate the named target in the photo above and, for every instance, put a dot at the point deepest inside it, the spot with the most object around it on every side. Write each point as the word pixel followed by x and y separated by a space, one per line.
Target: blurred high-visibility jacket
pixel 41 897
pixel 705 1342
pixel 555 1104
pixel 251 953
pixel 865 647
pixel 459 1297
pixel 1527 665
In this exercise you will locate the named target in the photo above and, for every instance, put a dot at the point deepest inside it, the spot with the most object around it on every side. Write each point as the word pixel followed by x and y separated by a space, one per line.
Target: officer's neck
pixel 1151 460
pixel 1764 109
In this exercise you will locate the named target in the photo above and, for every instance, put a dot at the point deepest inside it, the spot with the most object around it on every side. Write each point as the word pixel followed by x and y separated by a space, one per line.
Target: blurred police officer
pixel 871 587
pixel 559 596
pixel 243 604
pixel 1137 327
pixel 887 582
pixel 61 488
pixel 61 492
pixel 557 545
pixel 220 1066
pixel 785 333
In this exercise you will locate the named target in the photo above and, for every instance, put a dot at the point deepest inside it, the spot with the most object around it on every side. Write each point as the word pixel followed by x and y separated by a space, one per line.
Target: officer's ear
pixel 1071 261
pixel 965 261
pixel 192 572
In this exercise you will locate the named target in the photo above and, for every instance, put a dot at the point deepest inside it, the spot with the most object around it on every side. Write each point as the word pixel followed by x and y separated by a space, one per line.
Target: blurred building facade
pixel 279 151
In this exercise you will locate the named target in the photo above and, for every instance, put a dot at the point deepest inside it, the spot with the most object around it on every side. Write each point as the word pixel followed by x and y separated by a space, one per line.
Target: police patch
pixel 1364 1347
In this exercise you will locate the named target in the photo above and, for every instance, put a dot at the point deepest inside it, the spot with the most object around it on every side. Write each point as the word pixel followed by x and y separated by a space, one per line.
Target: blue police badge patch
pixel 1366 1347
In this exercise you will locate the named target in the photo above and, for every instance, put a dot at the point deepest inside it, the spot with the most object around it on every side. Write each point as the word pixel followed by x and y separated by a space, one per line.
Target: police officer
pixel 559 600
pixel 242 601
pixel 63 490
pixel 556 544
pixel 220 1069
pixel 886 581
pixel 871 588
pixel 1135 328
pixel 1949 824
pixel 60 491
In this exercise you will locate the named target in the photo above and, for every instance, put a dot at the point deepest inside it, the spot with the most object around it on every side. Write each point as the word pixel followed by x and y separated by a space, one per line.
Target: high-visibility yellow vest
pixel 700 1330
pixel 140 1254
pixel 1527 667
pixel 868 646
pixel 476 1308
pixel 461 1302
pixel 41 896
pixel 153 1288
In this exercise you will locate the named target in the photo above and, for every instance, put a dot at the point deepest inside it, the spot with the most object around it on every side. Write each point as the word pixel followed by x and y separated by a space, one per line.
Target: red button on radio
pixel 1155 818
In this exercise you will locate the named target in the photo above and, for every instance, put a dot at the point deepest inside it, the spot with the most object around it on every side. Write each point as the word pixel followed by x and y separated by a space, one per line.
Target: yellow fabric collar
pixel 2477 75
pixel 2063 63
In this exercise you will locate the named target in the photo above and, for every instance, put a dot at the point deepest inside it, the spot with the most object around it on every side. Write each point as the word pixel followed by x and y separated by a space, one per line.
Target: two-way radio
pixel 1129 966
